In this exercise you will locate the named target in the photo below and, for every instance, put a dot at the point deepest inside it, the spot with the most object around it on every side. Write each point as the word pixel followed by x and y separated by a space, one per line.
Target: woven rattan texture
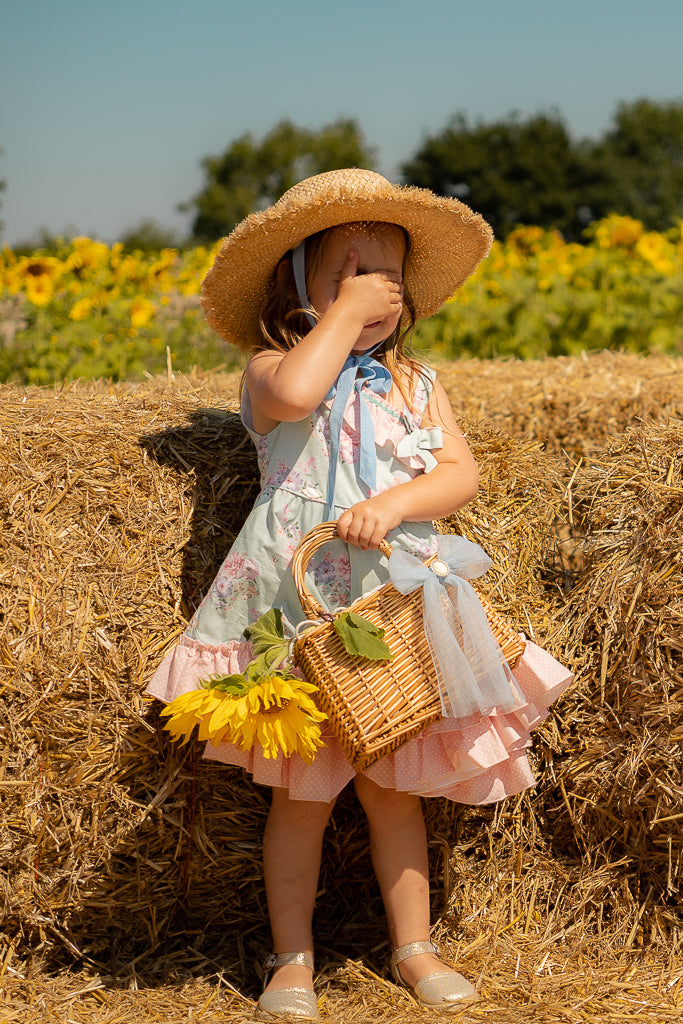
pixel 376 706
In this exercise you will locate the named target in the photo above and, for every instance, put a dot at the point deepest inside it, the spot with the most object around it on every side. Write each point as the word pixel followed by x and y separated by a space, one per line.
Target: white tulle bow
pixel 474 678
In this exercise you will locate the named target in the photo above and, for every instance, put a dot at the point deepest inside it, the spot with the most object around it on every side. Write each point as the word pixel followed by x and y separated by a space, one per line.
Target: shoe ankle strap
pixel 413 949
pixel 274 960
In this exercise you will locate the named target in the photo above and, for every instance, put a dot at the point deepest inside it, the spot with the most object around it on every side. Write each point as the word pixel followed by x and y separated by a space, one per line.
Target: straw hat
pixel 447 241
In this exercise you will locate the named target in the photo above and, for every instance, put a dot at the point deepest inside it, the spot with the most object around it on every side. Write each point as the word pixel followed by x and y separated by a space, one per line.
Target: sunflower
pixel 276 712
pixel 617 232
pixel 279 715
pixel 39 290
pixel 187 710
pixel 654 248
pixel 86 254
pixel 141 311
pixel 41 266
pixel 39 274
pixel 82 308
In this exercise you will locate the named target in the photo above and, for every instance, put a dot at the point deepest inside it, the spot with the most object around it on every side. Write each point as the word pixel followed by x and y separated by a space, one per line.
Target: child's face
pixel 380 251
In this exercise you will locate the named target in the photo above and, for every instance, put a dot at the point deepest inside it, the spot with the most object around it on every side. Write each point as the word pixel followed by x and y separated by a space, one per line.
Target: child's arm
pixel 288 387
pixel 450 485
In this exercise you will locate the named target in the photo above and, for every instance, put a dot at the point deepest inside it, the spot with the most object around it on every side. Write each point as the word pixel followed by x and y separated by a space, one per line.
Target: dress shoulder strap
pixel 422 389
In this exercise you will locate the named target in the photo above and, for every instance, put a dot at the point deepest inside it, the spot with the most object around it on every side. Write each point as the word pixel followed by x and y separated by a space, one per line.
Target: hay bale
pixel 621 774
pixel 115 501
pixel 135 863
pixel 514 518
pixel 557 983
pixel 567 404
pixel 119 504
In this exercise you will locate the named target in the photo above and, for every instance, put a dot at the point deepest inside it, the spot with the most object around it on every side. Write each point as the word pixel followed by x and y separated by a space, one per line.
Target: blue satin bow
pixel 474 678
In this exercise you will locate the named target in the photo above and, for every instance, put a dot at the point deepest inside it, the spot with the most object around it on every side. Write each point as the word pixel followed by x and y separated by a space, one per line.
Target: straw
pixel 131 876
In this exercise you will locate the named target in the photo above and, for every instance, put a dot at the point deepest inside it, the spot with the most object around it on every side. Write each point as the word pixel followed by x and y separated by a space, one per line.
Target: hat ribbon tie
pixel 474 678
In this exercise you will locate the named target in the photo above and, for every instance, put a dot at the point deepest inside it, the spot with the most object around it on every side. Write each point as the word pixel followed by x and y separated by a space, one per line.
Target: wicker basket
pixel 376 706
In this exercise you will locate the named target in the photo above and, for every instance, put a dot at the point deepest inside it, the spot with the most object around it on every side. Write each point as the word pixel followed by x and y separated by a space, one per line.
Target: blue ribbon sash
pixel 357 371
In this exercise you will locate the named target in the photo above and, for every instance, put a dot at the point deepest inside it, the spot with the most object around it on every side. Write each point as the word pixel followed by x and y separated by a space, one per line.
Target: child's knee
pixel 378 802
pixel 304 814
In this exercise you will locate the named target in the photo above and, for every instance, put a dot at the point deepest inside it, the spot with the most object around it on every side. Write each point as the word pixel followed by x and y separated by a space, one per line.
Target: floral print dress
pixel 469 763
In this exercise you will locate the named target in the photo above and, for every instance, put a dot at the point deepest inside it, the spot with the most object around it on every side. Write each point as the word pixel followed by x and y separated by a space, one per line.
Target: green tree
pixel 531 172
pixel 640 164
pixel 512 171
pixel 150 236
pixel 251 174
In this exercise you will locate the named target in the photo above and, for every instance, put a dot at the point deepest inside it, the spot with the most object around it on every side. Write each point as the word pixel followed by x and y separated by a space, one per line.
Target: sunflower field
pixel 537 295
pixel 86 309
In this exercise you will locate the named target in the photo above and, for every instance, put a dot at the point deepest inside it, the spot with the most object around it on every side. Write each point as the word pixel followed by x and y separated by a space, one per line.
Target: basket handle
pixel 308 545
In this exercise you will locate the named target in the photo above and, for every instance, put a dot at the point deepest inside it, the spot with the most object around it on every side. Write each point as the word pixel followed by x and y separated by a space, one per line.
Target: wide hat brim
pixel 447 242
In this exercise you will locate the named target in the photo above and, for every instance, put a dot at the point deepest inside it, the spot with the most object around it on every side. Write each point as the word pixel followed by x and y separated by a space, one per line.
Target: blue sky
pixel 108 108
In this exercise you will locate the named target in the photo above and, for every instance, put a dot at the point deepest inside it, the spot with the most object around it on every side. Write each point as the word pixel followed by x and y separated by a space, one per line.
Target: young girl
pixel 320 288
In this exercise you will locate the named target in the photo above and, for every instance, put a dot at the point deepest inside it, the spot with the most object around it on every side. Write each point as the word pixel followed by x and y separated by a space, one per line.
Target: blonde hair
pixel 284 322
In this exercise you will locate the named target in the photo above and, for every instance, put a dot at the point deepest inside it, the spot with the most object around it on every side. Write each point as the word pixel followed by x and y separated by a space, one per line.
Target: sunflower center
pixel 275 709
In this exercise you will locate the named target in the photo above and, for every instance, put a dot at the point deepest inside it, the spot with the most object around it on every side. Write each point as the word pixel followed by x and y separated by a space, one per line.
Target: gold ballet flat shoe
pixel 445 990
pixel 287 1002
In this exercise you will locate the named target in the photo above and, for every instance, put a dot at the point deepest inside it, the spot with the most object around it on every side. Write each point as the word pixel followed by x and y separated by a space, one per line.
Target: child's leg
pixel 292 845
pixel 398 846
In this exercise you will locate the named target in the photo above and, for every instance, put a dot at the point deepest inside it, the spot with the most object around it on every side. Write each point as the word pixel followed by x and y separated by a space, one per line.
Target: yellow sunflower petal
pixel 222 713
pixel 289 726
pixel 184 702
pixel 244 734
pixel 308 746
pixel 276 740
pixel 252 700
pixel 305 687
pixel 183 713
pixel 241 710
pixel 308 707
pixel 181 727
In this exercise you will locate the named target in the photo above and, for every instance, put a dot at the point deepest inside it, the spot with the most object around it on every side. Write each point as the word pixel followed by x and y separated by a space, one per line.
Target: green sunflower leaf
pixel 266 632
pixel 235 684
pixel 270 647
pixel 264 665
pixel 361 638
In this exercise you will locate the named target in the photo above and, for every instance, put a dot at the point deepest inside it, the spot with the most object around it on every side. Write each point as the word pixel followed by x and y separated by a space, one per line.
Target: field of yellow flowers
pixel 538 295
pixel 86 309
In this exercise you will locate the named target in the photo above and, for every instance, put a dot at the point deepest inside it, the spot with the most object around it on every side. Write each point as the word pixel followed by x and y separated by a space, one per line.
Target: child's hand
pixel 368 522
pixel 372 297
